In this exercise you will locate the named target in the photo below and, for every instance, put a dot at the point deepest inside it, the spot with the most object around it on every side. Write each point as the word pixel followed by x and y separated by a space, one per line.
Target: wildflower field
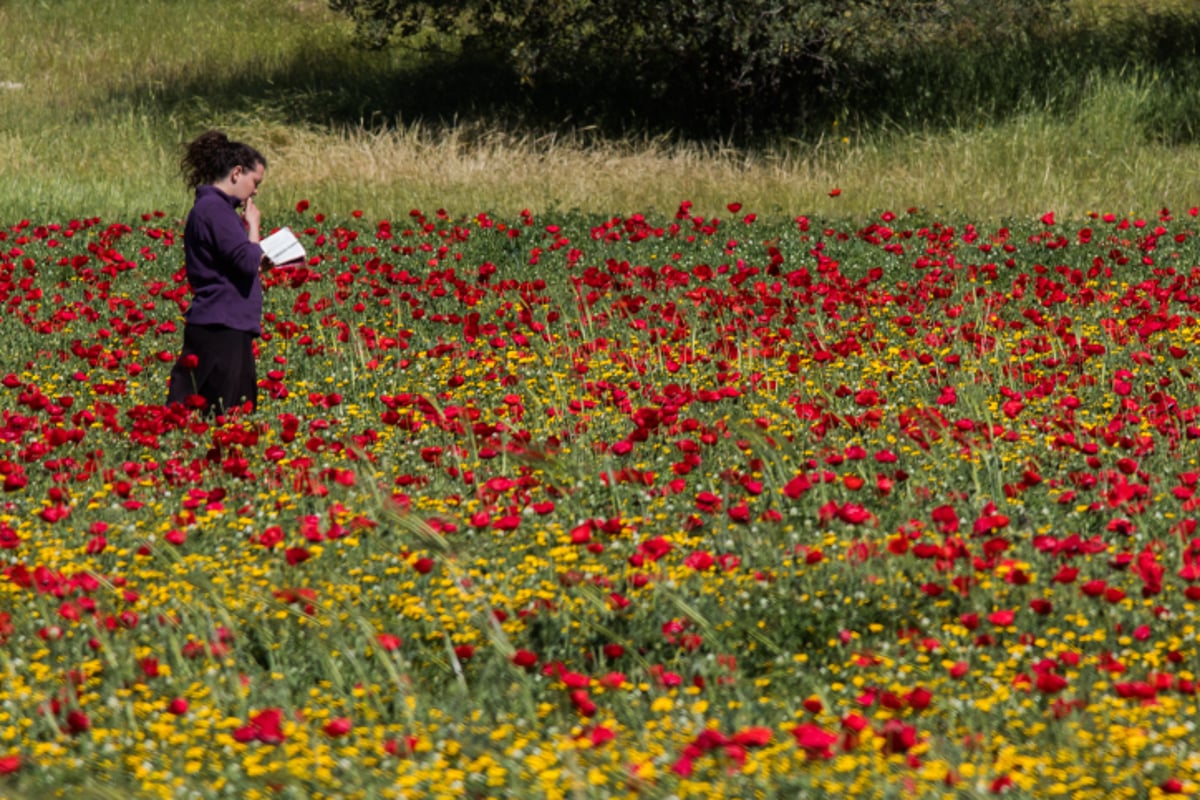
pixel 585 506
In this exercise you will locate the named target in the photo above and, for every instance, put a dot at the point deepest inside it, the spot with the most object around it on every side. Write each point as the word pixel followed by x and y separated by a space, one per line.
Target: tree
pixel 718 66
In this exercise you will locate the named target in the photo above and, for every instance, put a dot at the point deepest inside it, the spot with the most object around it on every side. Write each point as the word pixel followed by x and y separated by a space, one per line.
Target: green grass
pixel 94 108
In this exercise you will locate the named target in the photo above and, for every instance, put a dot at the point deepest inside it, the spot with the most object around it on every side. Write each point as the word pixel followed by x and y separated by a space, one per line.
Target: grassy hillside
pixel 92 111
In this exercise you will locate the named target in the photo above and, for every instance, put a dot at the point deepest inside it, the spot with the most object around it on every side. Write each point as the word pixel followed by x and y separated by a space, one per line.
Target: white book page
pixel 282 246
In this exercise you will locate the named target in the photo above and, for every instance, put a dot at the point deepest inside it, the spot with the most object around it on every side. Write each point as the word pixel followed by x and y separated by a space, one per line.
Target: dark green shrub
pixel 753 67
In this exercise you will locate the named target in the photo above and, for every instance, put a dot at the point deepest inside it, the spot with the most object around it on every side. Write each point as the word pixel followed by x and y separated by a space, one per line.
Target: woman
pixel 223 259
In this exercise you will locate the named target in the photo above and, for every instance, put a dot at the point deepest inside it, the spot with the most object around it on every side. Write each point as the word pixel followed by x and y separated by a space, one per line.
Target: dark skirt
pixel 216 363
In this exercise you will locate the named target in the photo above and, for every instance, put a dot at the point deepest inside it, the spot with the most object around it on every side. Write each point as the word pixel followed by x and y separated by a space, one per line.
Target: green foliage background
pixel 756 68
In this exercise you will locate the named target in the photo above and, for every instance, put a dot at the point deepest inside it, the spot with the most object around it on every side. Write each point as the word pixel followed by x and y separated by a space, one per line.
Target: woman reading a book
pixel 223 257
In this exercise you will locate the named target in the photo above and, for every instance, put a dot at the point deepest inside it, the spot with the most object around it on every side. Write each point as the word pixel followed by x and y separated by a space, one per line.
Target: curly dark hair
pixel 212 155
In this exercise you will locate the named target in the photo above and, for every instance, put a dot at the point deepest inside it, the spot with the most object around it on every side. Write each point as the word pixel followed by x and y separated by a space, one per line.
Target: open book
pixel 282 246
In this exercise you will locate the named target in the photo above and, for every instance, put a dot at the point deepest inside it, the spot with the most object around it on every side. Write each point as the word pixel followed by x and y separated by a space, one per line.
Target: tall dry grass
pixel 1026 166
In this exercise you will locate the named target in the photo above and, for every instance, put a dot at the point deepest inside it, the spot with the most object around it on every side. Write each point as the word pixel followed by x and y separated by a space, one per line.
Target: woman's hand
pixel 253 219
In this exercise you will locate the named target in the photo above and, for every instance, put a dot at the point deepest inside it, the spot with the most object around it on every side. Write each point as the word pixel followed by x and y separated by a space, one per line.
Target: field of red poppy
pixel 623 506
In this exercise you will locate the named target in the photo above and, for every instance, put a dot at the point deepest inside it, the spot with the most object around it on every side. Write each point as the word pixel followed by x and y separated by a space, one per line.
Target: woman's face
pixel 243 183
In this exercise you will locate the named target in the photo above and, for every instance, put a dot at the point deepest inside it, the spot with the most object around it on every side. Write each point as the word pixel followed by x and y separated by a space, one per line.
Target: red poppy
pixel 898 737
pixel 271 536
pixel 797 486
pixel 1001 783
pixel 388 641
pixel 338 727
pixel 78 722
pixel 296 555
pixel 753 737
pixel 853 514
pixel 1050 683
pixel 919 698
pixel 945 518
pixel 740 512
pixel 814 740
pixel 684 766
pixel 707 502
pixel 1065 574
pixel 1001 618
pixel 266 726
pixel 655 548
pixel 508 522
pixel 525 659
pixel 1041 605
pixel 1172 786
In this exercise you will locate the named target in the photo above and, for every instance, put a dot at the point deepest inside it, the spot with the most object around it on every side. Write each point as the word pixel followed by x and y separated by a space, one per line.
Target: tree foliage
pixel 726 67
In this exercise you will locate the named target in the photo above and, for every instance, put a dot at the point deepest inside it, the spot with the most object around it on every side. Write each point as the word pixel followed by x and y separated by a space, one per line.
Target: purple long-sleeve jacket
pixel 222 264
